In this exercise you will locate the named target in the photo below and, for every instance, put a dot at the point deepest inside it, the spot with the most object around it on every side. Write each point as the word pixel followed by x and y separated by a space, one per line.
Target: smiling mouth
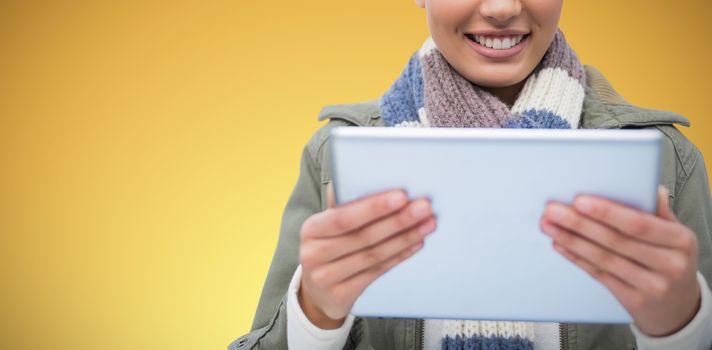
pixel 497 42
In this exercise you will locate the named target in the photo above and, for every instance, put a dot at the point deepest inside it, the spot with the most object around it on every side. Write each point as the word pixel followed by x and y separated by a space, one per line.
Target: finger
pixel 354 286
pixel 364 259
pixel 624 292
pixel 663 209
pixel 606 260
pixel 646 254
pixel 418 212
pixel 353 215
pixel 629 221
pixel 330 200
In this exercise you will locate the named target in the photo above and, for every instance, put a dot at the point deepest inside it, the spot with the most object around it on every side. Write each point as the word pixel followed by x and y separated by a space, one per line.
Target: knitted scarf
pixel 431 93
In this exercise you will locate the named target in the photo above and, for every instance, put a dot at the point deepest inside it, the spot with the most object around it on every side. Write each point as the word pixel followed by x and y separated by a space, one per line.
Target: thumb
pixel 331 202
pixel 664 210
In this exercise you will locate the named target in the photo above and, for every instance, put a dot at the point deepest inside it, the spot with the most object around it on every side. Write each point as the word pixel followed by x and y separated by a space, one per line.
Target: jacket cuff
pixel 301 333
pixel 695 335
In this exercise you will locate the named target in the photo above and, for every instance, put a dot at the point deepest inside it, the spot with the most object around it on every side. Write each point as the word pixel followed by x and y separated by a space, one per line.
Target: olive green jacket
pixel 683 173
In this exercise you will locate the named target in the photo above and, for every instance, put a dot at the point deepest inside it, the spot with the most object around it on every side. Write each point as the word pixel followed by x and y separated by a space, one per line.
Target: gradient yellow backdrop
pixel 147 148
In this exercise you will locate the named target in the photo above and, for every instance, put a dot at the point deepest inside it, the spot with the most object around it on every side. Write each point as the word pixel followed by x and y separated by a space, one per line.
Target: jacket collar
pixel 603 108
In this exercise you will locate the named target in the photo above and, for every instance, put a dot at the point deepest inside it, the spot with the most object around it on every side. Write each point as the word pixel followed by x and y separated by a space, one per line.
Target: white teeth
pixel 498 43
pixel 506 43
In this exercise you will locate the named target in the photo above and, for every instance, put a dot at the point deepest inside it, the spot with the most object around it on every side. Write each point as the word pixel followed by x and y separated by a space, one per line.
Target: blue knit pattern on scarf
pixel 405 97
pixel 486 343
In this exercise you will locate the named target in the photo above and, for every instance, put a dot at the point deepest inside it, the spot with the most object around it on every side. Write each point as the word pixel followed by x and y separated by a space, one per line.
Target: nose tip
pixel 500 10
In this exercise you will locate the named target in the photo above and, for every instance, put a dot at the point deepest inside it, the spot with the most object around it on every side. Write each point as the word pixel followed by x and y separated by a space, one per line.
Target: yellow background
pixel 147 148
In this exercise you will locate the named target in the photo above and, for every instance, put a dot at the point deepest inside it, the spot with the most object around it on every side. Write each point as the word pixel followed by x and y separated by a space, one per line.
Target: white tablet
pixel 488 259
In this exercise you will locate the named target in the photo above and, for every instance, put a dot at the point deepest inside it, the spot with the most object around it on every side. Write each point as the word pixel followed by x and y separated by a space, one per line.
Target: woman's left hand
pixel 648 261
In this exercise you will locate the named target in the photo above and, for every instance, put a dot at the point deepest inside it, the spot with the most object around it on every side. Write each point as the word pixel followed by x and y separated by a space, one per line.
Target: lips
pixel 498 46
pixel 496 42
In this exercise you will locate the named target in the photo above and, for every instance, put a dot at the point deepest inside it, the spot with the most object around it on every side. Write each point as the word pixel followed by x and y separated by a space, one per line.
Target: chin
pixel 494 74
pixel 494 78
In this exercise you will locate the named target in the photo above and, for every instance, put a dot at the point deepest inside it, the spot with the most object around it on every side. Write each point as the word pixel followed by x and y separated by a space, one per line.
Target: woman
pixel 493 63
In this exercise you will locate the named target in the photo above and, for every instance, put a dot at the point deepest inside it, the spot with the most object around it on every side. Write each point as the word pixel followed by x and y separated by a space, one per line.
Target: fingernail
pixel 427 227
pixel 583 204
pixel 559 248
pixel 556 212
pixel 549 230
pixel 420 209
pixel 396 200
pixel 416 247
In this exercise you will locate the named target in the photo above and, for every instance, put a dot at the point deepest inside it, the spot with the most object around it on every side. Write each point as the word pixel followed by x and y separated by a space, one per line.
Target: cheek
pixel 447 19
pixel 445 16
pixel 545 13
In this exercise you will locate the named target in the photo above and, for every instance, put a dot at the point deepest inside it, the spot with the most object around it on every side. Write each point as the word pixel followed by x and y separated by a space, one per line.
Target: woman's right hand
pixel 343 249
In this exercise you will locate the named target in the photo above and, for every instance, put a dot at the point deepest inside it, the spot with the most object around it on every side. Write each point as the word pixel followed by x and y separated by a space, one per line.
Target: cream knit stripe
pixel 427 48
pixel 423 116
pixel 503 329
pixel 553 90
pixel 409 124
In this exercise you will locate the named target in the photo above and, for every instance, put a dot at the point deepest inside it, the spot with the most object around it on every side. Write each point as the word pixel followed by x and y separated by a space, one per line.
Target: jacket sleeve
pixel 693 207
pixel 269 327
